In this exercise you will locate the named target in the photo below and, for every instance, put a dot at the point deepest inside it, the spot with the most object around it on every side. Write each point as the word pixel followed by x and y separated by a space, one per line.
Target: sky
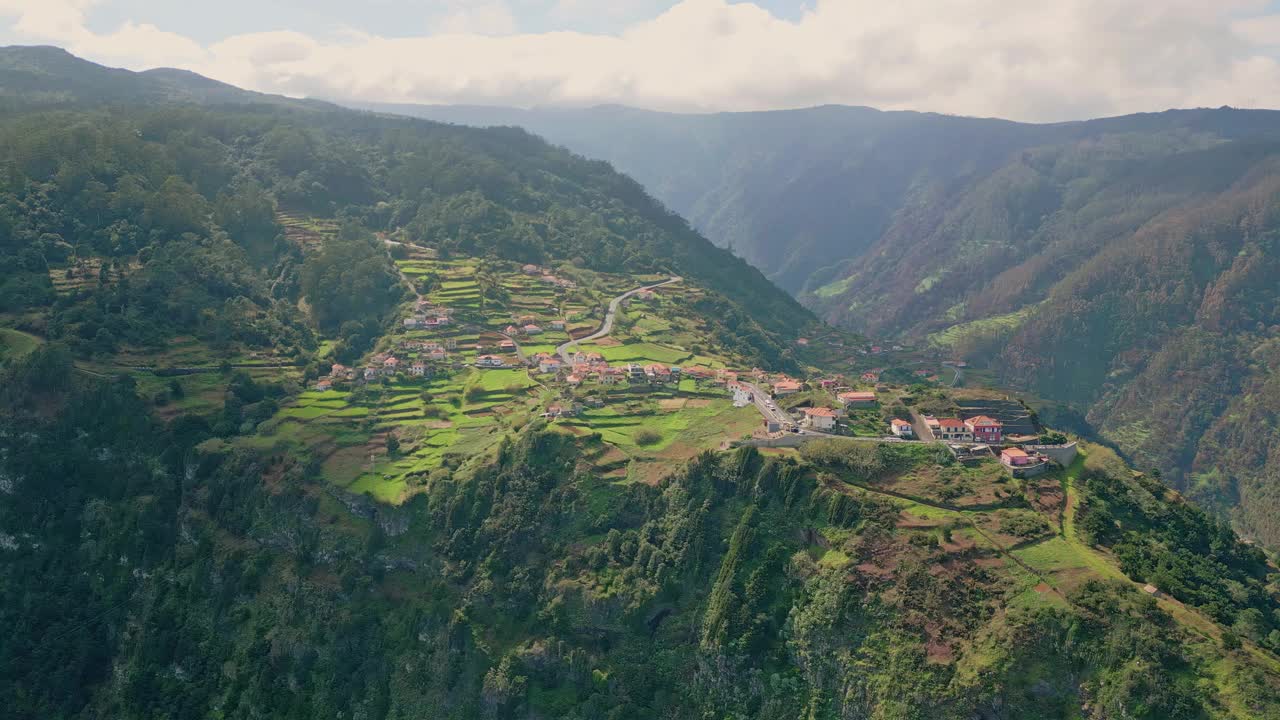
pixel 1018 59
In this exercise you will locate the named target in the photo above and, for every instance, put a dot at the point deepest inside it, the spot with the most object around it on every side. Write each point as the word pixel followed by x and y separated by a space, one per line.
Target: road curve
pixel 607 326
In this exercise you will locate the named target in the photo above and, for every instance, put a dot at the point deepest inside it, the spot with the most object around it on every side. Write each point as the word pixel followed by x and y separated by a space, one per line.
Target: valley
pixel 314 413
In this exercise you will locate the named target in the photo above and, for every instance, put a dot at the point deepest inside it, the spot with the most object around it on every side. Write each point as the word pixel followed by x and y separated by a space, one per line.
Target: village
pixel 588 372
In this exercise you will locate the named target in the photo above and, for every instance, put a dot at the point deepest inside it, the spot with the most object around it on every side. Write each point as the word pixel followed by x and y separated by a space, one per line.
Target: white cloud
pixel 1034 61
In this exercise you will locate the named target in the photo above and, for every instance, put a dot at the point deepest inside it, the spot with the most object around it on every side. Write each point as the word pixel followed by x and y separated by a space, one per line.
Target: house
pixel 511 330
pixel 932 422
pixel 857 399
pixel 985 429
pixel 574 380
pixel 901 428
pixel 436 354
pixel 532 330
pixel 870 377
pixel 324 385
pixel 370 372
pixel 828 383
pixel 451 344
pixel 530 269
pixel 554 411
pixel 635 371
pixel 391 366
pixel 338 371
pixel 549 279
pixel 1015 457
pixel 819 418
pixel 411 322
pixel 507 346
pixel 441 320
pixel 608 376
pixel 802 342
pixel 953 429
pixel 557 324
pixel 657 372
pixel 786 387
pixel 490 361
pixel 922 373
pixel 418 368
pixel 549 365
pixel 742 396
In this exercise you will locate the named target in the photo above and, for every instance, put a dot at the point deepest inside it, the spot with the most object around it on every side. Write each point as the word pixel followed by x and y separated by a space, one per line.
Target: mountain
pixel 805 192
pixel 43 76
pixel 1120 266
pixel 307 412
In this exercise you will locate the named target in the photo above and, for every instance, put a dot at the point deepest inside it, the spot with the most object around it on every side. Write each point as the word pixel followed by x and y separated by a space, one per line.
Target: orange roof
pixel 819 412
pixel 787 384
pixel 982 420
pixel 950 423
pixel 1014 452
pixel 896 422
pixel 857 396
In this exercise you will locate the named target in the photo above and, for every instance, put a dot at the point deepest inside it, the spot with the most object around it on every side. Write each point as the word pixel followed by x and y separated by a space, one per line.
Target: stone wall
pixel 1064 455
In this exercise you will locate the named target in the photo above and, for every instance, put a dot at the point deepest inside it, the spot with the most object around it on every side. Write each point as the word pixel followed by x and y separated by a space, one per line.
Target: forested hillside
pixel 1126 267
pixel 222 497
pixel 162 192
pixel 151 572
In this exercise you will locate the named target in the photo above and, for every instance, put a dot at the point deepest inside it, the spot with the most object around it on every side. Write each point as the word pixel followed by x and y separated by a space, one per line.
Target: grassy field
pixel 15 343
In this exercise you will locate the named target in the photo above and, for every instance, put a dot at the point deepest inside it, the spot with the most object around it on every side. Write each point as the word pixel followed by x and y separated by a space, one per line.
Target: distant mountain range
pixel 45 76
pixel 1127 266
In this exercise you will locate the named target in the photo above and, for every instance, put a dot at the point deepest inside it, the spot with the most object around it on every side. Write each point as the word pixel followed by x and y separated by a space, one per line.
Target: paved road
pixel 607 326
pixel 761 400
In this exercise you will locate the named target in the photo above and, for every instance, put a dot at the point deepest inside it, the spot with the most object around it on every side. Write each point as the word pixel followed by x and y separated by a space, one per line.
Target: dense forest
pixel 174 205
pixel 153 572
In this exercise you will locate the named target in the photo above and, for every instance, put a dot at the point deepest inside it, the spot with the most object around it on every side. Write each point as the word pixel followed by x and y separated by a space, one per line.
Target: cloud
pixel 1030 61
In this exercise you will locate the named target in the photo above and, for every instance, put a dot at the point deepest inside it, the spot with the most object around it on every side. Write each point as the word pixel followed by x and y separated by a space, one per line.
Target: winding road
pixel 607 326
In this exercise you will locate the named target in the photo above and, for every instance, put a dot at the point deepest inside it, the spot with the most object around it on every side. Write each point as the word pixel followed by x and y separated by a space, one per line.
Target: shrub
pixel 646 436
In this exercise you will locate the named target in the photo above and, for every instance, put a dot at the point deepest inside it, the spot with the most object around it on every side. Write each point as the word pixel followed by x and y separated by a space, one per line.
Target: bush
pixel 646 436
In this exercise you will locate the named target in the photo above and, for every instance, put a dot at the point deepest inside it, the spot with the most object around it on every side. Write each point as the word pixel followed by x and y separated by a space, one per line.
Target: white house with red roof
pixel 901 428
pixel 786 387
pixel 953 429
pixel 857 398
pixel 819 418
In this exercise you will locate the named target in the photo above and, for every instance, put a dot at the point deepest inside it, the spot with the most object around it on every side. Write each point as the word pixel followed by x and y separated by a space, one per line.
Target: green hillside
pixel 306 413
pixel 1124 267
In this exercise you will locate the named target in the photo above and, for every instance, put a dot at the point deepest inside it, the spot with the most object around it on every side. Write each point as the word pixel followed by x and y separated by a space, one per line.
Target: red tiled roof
pixel 819 412
pixel 950 423
pixel 983 420
pixel 896 422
